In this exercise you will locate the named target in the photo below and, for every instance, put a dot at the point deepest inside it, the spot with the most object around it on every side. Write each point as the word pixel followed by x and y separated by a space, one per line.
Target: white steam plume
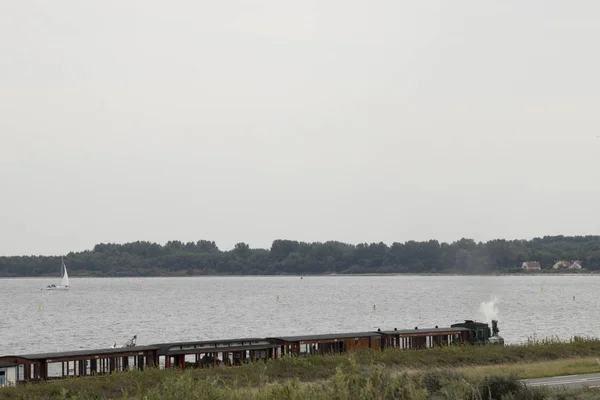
pixel 489 309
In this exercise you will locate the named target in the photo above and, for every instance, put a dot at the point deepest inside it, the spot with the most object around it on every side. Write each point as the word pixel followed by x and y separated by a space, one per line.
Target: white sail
pixel 64 280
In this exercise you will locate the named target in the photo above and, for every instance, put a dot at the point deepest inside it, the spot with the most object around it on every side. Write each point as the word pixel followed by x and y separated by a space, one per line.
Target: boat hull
pixel 57 288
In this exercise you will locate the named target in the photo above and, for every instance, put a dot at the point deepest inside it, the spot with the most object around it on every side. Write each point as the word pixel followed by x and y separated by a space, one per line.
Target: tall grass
pixel 355 382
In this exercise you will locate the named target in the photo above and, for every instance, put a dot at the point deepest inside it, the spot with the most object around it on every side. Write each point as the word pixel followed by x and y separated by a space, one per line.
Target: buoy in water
pixel 39 308
pixel 277 298
pixel 573 298
pixel 374 308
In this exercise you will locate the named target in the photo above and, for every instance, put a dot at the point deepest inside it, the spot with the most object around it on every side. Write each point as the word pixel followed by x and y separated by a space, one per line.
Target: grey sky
pixel 311 120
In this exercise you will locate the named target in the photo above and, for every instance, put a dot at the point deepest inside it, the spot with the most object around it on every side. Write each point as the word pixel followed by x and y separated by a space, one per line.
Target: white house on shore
pixel 531 266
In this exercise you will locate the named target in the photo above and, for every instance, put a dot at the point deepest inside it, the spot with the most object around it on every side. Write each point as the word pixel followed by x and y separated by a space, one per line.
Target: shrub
pixel 499 386
pixel 435 380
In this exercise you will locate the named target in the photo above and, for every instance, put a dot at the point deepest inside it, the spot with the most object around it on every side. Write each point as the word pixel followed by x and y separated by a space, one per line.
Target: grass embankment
pixel 461 372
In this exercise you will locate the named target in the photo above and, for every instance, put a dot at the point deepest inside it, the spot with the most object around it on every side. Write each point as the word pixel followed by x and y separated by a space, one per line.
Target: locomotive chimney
pixel 495 329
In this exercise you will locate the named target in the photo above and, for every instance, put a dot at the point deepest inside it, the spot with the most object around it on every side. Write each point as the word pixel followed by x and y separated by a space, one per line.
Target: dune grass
pixel 538 369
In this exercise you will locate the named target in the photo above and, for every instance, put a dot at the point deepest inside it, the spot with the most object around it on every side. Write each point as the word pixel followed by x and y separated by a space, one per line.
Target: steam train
pixel 230 352
pixel 481 332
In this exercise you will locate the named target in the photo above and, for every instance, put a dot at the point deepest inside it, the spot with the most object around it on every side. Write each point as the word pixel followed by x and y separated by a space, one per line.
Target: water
pixel 98 312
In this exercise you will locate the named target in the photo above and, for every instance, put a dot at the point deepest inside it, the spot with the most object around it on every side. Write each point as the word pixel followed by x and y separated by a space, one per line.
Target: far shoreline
pixel 312 275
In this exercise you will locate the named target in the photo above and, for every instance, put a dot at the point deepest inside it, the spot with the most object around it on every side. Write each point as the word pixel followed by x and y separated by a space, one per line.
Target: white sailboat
pixel 64 279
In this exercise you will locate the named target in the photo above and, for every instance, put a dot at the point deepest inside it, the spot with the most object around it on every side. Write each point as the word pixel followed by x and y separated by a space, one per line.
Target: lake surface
pixel 98 312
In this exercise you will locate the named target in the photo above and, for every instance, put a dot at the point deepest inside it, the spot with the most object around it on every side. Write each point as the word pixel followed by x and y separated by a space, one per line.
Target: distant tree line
pixel 287 257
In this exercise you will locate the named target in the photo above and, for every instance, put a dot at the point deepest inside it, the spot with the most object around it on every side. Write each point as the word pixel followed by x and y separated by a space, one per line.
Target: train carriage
pixel 327 343
pixel 412 339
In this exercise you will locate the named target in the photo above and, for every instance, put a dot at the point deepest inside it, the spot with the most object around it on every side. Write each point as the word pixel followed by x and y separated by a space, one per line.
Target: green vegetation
pixel 456 372
pixel 176 258
pixel 350 383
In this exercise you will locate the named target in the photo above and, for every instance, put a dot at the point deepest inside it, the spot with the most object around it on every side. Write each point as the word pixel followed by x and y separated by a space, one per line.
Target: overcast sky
pixel 312 120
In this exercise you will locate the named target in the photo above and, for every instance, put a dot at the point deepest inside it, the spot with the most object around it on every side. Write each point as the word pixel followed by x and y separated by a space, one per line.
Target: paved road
pixel 569 381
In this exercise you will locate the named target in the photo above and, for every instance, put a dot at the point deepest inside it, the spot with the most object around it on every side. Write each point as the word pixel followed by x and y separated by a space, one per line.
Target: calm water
pixel 98 312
